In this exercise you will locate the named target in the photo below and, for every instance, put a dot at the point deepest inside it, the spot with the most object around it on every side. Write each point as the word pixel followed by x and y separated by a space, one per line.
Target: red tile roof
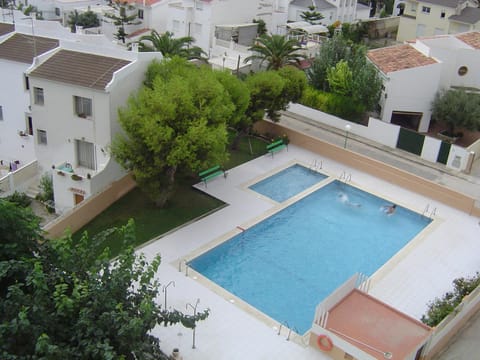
pixel 81 69
pixel 22 48
pixel 6 28
pixel 470 38
pixel 399 57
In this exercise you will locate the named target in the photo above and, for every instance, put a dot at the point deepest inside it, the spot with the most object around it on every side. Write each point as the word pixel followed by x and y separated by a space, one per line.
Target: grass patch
pixel 187 205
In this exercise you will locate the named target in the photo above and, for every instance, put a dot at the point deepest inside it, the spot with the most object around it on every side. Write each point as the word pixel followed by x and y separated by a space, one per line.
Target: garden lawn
pixel 186 205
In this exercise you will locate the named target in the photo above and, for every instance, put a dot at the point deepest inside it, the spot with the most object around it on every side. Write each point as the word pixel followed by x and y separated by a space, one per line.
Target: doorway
pixel 78 198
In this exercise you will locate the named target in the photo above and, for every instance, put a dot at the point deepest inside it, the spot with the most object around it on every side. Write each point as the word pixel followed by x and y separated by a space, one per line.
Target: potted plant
pixel 76 177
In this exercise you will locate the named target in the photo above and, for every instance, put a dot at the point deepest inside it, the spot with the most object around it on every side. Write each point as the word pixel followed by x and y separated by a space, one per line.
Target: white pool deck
pixel 424 269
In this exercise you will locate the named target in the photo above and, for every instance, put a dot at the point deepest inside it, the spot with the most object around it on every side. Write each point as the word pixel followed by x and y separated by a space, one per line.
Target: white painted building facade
pixel 75 123
pixel 413 73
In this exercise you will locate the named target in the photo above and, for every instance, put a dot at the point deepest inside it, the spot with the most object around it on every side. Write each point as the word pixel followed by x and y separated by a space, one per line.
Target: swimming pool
pixel 288 263
pixel 288 182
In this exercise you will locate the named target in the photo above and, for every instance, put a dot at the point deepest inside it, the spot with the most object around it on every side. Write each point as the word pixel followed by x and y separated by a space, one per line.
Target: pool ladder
pixel 287 326
pixel 316 165
pixel 432 213
pixel 345 177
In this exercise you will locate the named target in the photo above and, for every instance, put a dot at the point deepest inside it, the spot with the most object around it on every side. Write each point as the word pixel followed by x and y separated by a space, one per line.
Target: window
pixel 414 7
pixel 57 11
pixel 42 137
pixel 27 82
pixel 462 70
pixel 199 5
pixel 442 14
pixel 29 125
pixel 140 13
pixel 38 96
pixel 176 25
pixel 425 10
pixel 85 154
pixel 83 106
pixel 1 113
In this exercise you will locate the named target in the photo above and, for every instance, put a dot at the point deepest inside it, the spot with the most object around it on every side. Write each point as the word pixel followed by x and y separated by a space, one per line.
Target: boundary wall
pixel 381 170
pixel 88 209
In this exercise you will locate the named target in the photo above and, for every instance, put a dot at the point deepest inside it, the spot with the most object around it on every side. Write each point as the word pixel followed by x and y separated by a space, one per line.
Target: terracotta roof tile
pixel 82 69
pixel 21 48
pixel 398 57
pixel 6 28
pixel 470 38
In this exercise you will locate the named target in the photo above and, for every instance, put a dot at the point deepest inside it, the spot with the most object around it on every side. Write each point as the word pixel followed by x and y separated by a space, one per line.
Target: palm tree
pixel 276 50
pixel 169 47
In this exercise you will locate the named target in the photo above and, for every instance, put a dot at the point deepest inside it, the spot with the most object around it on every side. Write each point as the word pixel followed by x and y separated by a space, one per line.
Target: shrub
pixel 335 104
pixel 438 309
pixel 46 194
pixel 20 199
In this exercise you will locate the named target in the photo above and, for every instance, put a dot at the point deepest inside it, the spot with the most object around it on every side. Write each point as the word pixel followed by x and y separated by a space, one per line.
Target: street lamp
pixel 347 129
pixel 194 315
pixel 164 289
pixel 33 37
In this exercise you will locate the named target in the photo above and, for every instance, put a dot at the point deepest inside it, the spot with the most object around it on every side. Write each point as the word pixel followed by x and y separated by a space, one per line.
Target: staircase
pixel 33 190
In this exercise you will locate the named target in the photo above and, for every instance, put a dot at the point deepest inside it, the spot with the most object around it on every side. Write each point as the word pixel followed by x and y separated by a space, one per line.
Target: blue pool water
pixel 285 265
pixel 288 182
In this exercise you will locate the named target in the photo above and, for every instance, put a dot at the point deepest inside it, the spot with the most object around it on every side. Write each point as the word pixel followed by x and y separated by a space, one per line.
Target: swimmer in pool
pixel 345 200
pixel 389 209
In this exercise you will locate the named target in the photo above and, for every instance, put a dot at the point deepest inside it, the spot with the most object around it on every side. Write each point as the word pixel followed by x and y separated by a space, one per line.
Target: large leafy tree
pixel 123 15
pixel 170 46
pixel 275 50
pixel 177 123
pixel 70 301
pixel 341 67
pixel 311 16
pixel 270 92
pixel 457 108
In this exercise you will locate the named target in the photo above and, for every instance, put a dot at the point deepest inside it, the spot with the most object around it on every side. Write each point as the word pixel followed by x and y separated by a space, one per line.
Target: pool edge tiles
pixel 235 232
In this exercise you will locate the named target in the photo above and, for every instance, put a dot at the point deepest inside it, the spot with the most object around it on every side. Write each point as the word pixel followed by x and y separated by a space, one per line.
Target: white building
pixel 414 72
pixel 76 94
pixel 17 52
pixel 198 18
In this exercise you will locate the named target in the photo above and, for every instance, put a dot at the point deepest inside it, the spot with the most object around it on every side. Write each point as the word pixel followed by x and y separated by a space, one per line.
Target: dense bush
pixel 335 104
pixel 438 309
pixel 21 199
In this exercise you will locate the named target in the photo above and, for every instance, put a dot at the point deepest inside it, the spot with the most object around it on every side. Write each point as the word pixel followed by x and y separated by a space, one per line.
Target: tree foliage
pixel 275 50
pixel 272 91
pixel 364 85
pixel 312 16
pixel 262 26
pixel 439 308
pixel 170 46
pixel 123 15
pixel 177 123
pixel 87 19
pixel 458 109
pixel 61 300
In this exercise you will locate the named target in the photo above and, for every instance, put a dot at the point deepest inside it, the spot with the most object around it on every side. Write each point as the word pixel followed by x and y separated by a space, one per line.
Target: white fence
pixel 387 134
pixel 18 180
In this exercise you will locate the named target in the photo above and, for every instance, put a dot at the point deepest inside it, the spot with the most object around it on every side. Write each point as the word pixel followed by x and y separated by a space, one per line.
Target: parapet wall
pixel 381 170
pixel 88 209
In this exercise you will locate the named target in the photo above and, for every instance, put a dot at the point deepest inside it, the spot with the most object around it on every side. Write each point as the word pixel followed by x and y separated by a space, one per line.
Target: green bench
pixel 211 173
pixel 276 146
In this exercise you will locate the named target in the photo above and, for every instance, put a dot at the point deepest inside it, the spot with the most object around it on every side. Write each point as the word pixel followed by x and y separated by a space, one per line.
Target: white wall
pixel 430 149
pixel 412 90
pixel 14 99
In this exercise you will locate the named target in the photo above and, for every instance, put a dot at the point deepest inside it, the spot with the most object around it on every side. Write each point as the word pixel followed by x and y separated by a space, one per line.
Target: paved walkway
pixel 426 267
pixel 469 184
